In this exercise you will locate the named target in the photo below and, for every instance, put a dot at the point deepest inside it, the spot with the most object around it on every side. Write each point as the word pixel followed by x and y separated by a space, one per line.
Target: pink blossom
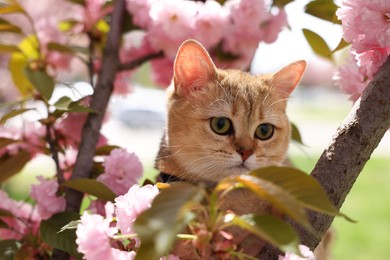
pixel 93 237
pixel 366 24
pixel 133 203
pixel 24 220
pixel 305 251
pixel 162 71
pixel 70 129
pixel 351 79
pixel 48 203
pixel 372 60
pixel 140 10
pixel 274 25
pixel 122 170
pixel 211 23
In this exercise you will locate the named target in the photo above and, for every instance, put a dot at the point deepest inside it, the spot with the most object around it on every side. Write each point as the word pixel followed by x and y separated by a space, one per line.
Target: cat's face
pixel 226 122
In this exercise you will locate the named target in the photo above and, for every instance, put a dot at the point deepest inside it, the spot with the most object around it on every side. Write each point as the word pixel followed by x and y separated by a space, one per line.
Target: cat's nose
pixel 245 153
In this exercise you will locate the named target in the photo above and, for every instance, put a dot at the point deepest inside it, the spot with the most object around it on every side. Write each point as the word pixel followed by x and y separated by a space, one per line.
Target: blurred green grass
pixel 369 204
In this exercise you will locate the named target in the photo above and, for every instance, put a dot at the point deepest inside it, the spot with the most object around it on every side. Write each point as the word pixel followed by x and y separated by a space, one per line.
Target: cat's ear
pixel 193 68
pixel 287 78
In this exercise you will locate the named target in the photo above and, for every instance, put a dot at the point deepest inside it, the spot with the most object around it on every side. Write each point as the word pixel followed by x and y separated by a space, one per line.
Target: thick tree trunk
pixel 344 158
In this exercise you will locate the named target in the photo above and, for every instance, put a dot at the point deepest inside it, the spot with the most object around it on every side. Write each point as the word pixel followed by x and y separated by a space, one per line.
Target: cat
pixel 225 123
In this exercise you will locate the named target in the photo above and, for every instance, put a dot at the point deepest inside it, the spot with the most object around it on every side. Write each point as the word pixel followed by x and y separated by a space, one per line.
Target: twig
pixel 344 158
pixel 99 103
pixel 53 144
pixel 138 62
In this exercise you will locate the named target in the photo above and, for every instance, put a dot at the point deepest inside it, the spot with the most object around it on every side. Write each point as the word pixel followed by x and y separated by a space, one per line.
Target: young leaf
pixel 41 81
pixel 105 149
pixel 6 141
pixel 71 225
pixel 11 165
pixel 65 240
pixel 63 103
pixel 76 107
pixel 13 113
pixel 157 227
pixel 323 9
pixel 295 135
pixel 342 44
pixel 318 44
pixel 273 192
pixel 281 3
pixel 269 228
pixel 92 187
pixel 8 248
pixel 304 188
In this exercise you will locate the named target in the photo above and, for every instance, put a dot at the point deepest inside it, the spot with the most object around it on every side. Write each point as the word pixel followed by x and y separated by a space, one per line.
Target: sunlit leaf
pixel 11 165
pixel 157 227
pixel 71 225
pixel 6 141
pixel 10 9
pixel 319 46
pixel 14 113
pixel 16 65
pixel 30 47
pixel 67 25
pixel 323 9
pixel 92 187
pixel 8 48
pixel 342 44
pixel 8 248
pixel 295 135
pixel 65 240
pixel 304 188
pixel 41 81
pixel 269 228
pixel 273 192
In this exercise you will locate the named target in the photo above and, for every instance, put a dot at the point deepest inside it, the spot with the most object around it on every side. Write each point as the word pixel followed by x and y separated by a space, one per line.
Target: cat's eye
pixel 221 125
pixel 264 131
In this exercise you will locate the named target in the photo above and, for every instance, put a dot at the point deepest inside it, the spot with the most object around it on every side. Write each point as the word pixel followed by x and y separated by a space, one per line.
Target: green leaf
pixel 318 44
pixel 6 141
pixel 170 212
pixel 63 103
pixel 8 249
pixel 92 187
pixel 342 44
pixel 105 149
pixel 8 48
pixel 295 135
pixel 54 46
pixel 41 81
pixel 11 165
pixel 269 228
pixel 281 3
pixel 304 188
pixel 272 191
pixel 65 240
pixel 76 107
pixel 323 9
pixel 14 113
pixel 67 25
pixel 79 2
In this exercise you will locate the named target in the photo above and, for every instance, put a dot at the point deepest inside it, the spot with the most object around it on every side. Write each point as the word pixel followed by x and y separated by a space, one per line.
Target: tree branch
pixel 138 62
pixel 352 145
pixel 99 103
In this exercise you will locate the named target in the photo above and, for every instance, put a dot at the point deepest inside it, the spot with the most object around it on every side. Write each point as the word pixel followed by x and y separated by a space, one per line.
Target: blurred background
pixel 317 107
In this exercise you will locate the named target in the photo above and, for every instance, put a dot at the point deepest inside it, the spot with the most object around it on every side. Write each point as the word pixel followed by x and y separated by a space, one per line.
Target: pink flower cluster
pixel 45 194
pixel 24 219
pixel 95 234
pixel 122 170
pixel 366 25
pixel 233 29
